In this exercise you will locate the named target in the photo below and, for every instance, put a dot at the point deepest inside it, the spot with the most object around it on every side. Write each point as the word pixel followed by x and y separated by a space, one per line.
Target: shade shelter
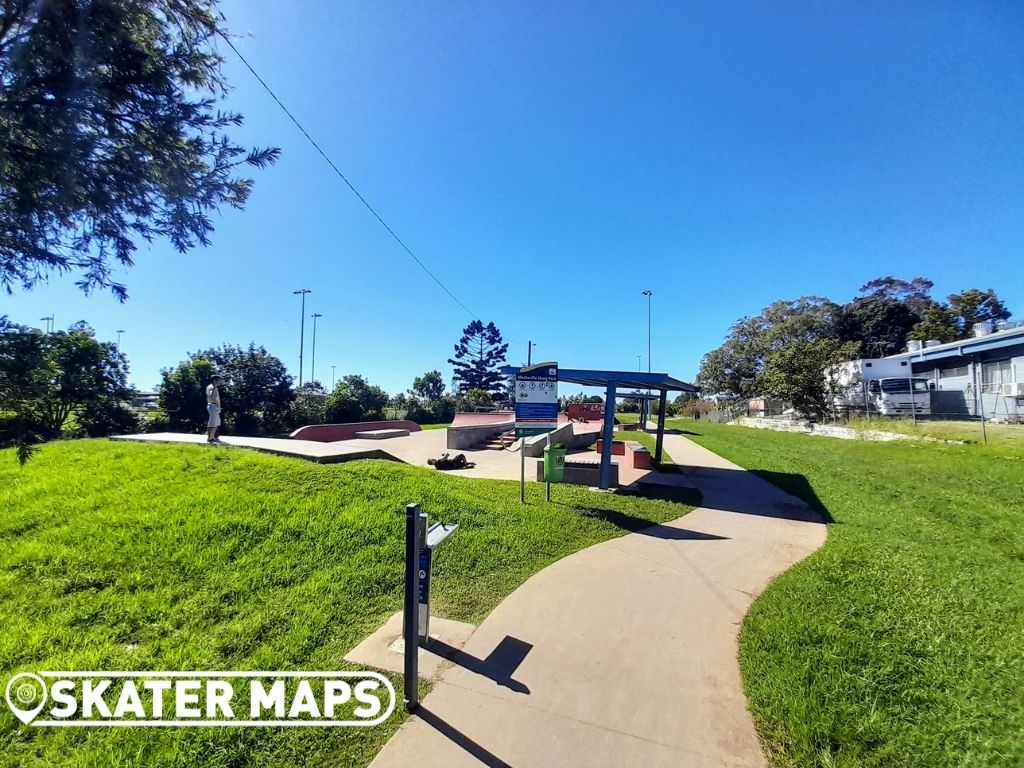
pixel 617 384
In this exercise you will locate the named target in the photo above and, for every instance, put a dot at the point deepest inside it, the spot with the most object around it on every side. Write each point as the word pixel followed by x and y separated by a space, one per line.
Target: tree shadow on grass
pixel 798 486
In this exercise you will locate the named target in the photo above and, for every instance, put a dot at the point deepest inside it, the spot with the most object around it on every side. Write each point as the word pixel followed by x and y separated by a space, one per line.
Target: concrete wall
pixel 572 436
pixel 464 438
pixel 825 430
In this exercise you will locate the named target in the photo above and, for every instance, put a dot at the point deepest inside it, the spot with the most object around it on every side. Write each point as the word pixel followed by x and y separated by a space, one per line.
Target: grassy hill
pixel 901 642
pixel 130 556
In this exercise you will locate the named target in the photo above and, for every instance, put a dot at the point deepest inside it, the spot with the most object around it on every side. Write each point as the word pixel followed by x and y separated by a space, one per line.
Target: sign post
pixel 421 539
pixel 536 397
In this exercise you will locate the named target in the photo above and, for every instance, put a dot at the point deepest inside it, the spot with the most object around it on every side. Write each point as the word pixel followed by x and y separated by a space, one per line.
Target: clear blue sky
pixel 550 161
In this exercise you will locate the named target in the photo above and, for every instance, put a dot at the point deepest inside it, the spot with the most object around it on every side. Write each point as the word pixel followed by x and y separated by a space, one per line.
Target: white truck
pixel 885 386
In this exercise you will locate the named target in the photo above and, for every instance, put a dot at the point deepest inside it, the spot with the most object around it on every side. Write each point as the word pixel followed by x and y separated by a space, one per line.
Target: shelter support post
pixel 605 476
pixel 662 402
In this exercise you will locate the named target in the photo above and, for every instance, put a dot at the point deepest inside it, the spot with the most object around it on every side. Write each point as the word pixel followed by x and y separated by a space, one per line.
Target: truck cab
pixel 900 396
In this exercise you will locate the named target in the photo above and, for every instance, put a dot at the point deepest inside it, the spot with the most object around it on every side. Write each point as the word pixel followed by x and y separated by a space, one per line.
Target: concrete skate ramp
pixel 476 419
pixel 330 433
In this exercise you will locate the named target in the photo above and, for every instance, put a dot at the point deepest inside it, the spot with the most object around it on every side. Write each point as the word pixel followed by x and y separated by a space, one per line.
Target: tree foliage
pixel 915 294
pixel 110 135
pixel 796 373
pixel 356 399
pixel 976 306
pixel 938 323
pixel 429 386
pixel 45 378
pixel 737 365
pixel 255 396
pixel 478 359
pixel 877 323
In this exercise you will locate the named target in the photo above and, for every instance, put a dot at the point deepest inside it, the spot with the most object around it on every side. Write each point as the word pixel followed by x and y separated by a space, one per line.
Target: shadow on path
pixel 499 666
pixel 456 736
pixel 758 492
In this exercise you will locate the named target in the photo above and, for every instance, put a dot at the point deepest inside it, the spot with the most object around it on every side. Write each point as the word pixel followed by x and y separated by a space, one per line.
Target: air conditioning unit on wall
pixel 1014 389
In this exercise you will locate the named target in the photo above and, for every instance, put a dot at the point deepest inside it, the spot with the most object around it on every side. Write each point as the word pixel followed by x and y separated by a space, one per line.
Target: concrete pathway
pixel 624 653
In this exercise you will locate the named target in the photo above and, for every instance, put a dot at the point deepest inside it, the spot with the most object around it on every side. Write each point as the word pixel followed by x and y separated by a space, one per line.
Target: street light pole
pixel 49 323
pixel 312 363
pixel 332 377
pixel 648 294
pixel 302 326
pixel 529 352
pixel 119 340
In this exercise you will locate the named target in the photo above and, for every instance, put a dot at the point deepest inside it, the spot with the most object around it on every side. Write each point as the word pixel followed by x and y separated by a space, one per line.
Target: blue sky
pixel 551 161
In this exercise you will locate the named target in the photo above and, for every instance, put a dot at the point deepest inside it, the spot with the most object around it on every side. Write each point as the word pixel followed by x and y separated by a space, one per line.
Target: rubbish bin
pixel 554 463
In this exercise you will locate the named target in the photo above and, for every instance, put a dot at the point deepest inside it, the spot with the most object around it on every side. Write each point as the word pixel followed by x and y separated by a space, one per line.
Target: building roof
pixel 621 379
pixel 965 347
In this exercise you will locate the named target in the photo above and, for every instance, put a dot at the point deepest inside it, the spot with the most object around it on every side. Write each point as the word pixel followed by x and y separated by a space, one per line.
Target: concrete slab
pixel 323 453
pixel 385 648
pixel 624 653
pixel 415 449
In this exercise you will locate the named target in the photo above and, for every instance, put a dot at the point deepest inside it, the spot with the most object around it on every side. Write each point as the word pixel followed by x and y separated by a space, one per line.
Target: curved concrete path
pixel 624 653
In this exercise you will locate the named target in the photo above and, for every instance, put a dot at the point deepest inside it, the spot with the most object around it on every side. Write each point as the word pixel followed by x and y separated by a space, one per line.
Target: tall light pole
pixel 648 294
pixel 529 352
pixel 49 323
pixel 302 326
pixel 638 362
pixel 119 332
pixel 312 363
pixel 332 377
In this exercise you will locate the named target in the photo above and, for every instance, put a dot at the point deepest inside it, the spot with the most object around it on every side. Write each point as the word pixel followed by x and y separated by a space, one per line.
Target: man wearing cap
pixel 213 408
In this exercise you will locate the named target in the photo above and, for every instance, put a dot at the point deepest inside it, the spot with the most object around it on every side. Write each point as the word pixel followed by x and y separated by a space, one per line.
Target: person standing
pixel 213 409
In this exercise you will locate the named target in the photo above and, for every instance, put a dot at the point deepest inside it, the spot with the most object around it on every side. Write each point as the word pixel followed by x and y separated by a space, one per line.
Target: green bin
pixel 554 463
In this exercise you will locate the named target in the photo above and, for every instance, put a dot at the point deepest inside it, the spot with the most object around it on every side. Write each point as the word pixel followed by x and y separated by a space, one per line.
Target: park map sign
pixel 536 390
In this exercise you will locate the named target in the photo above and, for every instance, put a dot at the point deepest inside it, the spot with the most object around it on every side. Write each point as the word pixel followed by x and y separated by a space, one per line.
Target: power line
pixel 341 175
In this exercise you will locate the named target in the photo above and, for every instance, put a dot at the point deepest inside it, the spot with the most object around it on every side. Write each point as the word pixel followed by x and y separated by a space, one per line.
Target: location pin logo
pixel 26 696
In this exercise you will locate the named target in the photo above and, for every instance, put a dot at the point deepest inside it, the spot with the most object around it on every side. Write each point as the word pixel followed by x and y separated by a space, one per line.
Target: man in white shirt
pixel 213 408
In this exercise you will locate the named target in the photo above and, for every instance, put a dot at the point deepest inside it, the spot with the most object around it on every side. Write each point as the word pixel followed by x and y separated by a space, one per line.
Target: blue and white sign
pixel 536 399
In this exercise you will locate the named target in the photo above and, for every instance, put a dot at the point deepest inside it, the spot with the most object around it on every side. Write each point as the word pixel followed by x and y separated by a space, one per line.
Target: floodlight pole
pixel 312 363
pixel 119 332
pixel 648 294
pixel 302 326
pixel 332 377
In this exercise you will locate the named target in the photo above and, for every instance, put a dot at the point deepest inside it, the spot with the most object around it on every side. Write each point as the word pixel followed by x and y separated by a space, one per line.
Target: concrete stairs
pixel 501 442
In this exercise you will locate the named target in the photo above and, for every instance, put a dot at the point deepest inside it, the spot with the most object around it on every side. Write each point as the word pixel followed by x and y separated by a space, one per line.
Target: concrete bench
pixel 582 471
pixel 618 447
pixel 641 456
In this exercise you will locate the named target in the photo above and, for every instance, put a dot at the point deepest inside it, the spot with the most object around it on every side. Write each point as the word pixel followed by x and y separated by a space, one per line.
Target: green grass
pixel 434 426
pixel 130 556
pixel 965 431
pixel 901 642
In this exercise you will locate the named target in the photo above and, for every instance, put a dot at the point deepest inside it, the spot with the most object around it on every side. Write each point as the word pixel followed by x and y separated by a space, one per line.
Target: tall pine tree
pixel 478 358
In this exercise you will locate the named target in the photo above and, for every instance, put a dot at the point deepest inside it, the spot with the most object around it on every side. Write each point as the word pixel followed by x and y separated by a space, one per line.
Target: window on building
pixel 995 374
pixel 950 373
